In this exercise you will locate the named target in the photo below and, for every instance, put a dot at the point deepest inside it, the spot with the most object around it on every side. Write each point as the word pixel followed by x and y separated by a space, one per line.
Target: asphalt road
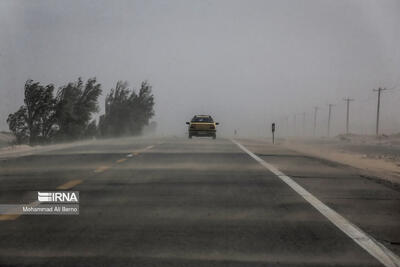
pixel 200 202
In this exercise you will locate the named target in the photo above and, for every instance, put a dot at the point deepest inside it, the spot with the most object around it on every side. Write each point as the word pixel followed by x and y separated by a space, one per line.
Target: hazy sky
pixel 245 62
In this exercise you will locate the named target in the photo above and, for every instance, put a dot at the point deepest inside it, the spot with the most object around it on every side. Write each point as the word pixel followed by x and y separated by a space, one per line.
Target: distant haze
pixel 247 63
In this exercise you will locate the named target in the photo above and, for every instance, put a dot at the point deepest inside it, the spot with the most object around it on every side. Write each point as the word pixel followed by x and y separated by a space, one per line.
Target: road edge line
pixel 368 243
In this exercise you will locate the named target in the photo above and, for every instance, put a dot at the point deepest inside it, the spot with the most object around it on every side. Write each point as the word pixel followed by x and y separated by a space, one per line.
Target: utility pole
pixel 273 132
pixel 295 126
pixel 315 119
pixel 348 100
pixel 379 90
pixel 329 118
pixel 304 123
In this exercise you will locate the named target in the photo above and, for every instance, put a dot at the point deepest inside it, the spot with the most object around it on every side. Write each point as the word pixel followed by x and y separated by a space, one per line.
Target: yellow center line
pixel 70 184
pixel 12 217
pixel 101 169
pixel 67 185
pixel 137 152
pixel 9 217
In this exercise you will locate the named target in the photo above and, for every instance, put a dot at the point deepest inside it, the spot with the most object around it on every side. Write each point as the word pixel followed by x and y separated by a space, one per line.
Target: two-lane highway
pixel 200 202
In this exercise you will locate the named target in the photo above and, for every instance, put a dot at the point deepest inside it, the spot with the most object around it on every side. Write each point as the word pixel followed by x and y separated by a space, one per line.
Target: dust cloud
pixel 245 63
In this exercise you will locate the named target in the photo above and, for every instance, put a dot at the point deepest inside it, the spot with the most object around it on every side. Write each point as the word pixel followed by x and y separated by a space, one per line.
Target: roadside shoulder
pixel 26 150
pixel 376 169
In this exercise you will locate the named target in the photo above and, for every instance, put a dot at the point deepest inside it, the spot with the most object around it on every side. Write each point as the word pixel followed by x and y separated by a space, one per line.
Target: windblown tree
pixel 44 117
pixel 91 129
pixel 143 106
pixel 76 103
pixel 112 123
pixel 18 125
pixel 34 120
pixel 125 111
pixel 68 116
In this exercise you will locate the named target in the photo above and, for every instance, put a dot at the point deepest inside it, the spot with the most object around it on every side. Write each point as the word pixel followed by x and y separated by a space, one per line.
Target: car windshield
pixel 202 119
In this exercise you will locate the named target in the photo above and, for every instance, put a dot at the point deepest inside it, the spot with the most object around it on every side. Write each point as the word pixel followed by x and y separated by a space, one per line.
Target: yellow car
pixel 202 125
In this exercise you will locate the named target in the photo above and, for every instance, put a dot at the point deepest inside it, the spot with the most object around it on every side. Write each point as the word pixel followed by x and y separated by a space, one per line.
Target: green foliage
pixel 91 129
pixel 68 115
pixel 144 105
pixel 76 102
pixel 33 121
pixel 125 111
pixel 44 117
pixel 17 124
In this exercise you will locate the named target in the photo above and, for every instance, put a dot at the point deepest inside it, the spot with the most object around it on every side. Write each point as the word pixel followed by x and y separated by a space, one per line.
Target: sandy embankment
pixel 375 158
pixel 25 150
pixel 6 139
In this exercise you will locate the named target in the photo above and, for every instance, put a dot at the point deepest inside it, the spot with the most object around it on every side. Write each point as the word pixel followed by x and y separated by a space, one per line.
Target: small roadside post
pixel 273 132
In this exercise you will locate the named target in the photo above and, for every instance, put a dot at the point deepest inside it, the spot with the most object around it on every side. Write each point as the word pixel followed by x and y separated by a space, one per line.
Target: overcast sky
pixel 245 62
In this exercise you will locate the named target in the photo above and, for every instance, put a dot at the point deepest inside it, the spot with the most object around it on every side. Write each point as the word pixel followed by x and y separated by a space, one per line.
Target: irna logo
pixel 59 197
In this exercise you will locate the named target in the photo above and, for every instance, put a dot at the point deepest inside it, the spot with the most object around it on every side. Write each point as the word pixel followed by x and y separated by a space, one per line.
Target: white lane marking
pixel 373 247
